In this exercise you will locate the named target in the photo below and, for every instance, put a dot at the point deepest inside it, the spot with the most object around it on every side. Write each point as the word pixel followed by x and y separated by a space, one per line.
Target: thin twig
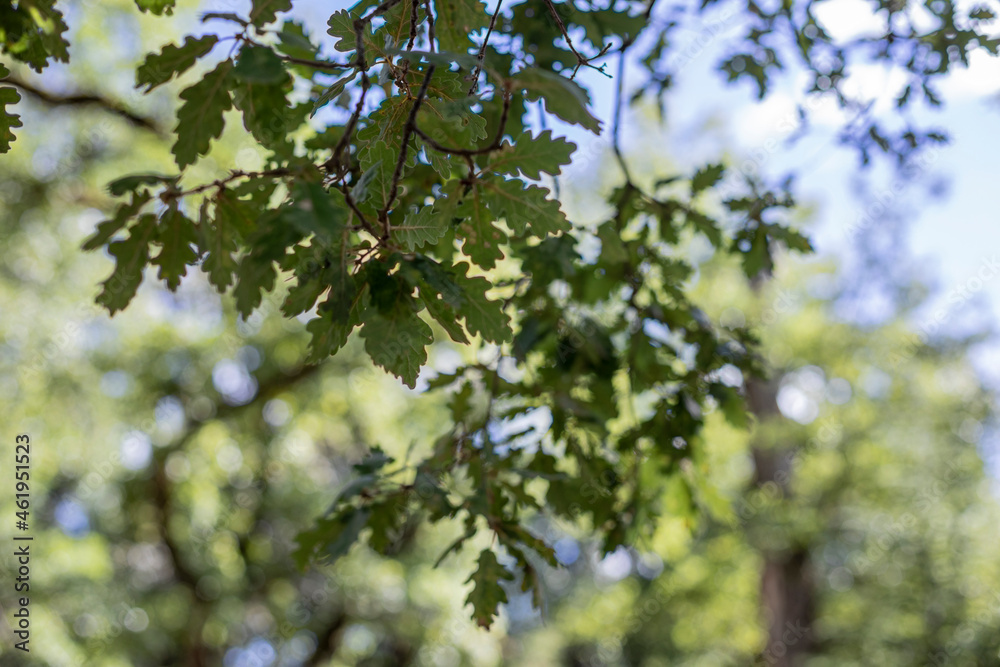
pixel 411 122
pixel 482 51
pixel 360 25
pixel 581 61
pixel 353 205
pixel 334 161
pixel 471 151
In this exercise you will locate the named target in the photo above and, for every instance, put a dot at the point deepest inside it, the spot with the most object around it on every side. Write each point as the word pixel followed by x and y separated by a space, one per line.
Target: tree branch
pixel 581 61
pixel 411 123
pixel 86 99
pixel 482 51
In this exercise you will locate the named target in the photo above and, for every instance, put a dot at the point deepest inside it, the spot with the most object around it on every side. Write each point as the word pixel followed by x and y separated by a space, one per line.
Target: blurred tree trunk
pixel 786 588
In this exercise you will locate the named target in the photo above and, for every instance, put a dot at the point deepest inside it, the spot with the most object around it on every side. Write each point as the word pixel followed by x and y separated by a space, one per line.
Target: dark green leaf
pixel 158 7
pixel 131 257
pixel 132 183
pixel 396 339
pixel 7 120
pixel 108 228
pixel 564 98
pixel 706 177
pixel 259 64
pixel 200 118
pixel 175 234
pixel 532 156
pixel 264 11
pixel 487 594
pixel 456 21
pixel 331 538
pixel 158 68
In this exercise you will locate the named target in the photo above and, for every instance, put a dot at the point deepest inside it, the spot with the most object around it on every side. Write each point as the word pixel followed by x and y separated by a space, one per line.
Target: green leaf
pixel 131 257
pixel 792 239
pixel 176 234
pixel 32 32
pixel 315 211
pixel 259 64
pixel 318 270
pixel 756 258
pixel 294 42
pixel 108 228
pixel 483 316
pixel 424 226
pixel 261 96
pixel 269 243
pixel 7 120
pixel 385 520
pixel 341 26
pixel 334 91
pixel 396 339
pixel 564 98
pixel 601 24
pixel 361 190
pixel 233 218
pixel 200 118
pixel 524 207
pixel 706 177
pixel 456 21
pixel 132 183
pixel 255 276
pixel 482 240
pixel 451 294
pixel 447 115
pixel 331 538
pixel 705 225
pixel 157 7
pixel 487 594
pixel 329 333
pixel 264 11
pixel 732 405
pixel 158 68
pixel 532 156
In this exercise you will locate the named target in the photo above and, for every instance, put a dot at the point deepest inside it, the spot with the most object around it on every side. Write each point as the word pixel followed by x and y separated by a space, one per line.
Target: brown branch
pixel 86 99
pixel 411 122
pixel 581 61
pixel 414 19
pixel 221 183
pixel 482 51
pixel 430 25
pixel 353 205
pixel 334 161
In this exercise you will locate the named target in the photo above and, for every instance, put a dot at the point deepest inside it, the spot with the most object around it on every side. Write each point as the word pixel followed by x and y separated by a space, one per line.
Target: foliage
pixel 407 213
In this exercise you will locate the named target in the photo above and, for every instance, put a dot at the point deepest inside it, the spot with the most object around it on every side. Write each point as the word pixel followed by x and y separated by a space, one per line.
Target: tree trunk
pixel 786 589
